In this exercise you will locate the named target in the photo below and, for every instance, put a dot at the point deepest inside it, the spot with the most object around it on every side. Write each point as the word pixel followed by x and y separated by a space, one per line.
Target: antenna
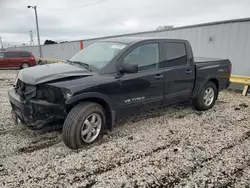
pixel 31 38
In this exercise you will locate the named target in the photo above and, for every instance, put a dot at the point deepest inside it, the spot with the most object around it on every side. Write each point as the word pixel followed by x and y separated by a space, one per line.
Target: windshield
pixel 98 54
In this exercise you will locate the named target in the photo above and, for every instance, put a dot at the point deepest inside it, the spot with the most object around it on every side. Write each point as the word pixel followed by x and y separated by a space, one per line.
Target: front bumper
pixel 35 113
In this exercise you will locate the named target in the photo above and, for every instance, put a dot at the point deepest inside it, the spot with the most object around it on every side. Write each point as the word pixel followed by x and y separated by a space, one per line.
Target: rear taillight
pixel 230 69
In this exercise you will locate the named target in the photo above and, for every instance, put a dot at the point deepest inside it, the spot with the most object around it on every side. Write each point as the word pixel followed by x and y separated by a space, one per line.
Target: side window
pixel 25 54
pixel 13 54
pixel 145 56
pixel 176 54
pixel 1 54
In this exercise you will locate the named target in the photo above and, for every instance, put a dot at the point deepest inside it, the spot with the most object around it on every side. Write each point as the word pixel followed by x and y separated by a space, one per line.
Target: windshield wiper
pixel 85 65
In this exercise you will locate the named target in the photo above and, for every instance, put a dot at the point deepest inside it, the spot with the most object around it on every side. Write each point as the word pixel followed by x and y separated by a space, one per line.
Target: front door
pixel 144 89
pixel 179 72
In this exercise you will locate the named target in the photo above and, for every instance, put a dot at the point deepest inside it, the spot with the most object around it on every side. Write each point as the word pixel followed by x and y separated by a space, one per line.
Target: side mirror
pixel 128 68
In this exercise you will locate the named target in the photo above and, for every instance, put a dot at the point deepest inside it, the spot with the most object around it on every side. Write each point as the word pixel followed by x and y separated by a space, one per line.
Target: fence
pixel 242 80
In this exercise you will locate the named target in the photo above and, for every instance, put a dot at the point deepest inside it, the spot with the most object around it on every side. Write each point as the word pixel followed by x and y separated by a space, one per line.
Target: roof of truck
pixel 128 40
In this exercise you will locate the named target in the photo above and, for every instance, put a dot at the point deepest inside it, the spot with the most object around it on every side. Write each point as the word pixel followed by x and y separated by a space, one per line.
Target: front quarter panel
pixel 105 87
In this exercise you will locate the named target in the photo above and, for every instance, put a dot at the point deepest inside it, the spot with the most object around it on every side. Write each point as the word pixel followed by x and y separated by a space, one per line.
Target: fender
pixel 98 96
pixel 198 86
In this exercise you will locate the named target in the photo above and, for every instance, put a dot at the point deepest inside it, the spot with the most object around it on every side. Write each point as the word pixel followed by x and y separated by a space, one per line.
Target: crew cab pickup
pixel 112 78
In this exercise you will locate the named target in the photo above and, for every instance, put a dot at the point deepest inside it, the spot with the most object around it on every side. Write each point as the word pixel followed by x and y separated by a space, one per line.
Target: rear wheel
pixel 25 65
pixel 206 98
pixel 84 124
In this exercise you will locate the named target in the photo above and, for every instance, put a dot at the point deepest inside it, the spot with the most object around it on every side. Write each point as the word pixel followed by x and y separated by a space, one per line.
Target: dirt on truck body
pixel 167 147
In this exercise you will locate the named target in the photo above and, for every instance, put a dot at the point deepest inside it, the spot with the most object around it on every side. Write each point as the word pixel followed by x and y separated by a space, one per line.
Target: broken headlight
pixel 49 93
pixel 25 91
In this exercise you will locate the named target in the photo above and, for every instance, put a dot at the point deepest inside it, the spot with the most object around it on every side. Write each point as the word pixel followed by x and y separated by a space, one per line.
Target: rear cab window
pixel 176 54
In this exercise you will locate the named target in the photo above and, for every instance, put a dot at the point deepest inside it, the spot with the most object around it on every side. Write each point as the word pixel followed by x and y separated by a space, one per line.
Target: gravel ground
pixel 168 147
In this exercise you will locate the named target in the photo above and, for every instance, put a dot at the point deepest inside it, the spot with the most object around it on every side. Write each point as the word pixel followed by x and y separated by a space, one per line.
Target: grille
pixel 25 91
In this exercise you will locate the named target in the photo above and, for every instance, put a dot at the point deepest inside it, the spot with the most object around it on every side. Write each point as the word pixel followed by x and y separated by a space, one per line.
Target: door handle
pixel 188 71
pixel 159 76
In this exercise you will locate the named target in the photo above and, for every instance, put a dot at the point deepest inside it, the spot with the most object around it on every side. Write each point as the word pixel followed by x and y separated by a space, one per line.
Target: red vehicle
pixel 16 59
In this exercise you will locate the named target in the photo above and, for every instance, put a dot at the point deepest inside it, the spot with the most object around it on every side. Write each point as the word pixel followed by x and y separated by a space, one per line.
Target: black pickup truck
pixel 111 78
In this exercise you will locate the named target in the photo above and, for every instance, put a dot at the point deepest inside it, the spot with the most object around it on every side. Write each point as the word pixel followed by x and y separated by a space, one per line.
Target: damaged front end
pixel 37 105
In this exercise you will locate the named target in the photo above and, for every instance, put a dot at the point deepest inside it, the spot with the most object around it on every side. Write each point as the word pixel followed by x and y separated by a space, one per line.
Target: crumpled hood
pixel 50 72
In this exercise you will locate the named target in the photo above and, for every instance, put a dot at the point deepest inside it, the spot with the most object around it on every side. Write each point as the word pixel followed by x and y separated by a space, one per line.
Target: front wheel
pixel 84 125
pixel 206 98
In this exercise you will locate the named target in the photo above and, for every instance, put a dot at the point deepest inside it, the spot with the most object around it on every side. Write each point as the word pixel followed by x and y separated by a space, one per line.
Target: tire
pixel 208 91
pixel 25 65
pixel 79 120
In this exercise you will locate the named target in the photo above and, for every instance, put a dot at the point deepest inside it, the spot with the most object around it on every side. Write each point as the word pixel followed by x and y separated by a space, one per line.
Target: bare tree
pixel 50 42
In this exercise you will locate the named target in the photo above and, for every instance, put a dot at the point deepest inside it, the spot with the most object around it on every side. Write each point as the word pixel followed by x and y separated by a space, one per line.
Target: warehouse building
pixel 225 39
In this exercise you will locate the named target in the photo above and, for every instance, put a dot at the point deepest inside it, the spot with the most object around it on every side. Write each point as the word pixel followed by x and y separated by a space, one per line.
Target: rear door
pixel 14 59
pixel 143 89
pixel 179 72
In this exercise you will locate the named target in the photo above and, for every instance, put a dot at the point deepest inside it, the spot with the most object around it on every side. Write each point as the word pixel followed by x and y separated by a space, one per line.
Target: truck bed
pixel 212 68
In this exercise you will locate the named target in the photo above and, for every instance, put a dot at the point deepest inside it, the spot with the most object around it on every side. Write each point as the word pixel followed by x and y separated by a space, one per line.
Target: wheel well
pixel 23 63
pixel 99 101
pixel 216 82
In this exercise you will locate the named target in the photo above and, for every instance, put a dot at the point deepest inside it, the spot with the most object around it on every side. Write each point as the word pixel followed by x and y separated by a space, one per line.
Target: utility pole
pixel 1 42
pixel 37 29
pixel 31 38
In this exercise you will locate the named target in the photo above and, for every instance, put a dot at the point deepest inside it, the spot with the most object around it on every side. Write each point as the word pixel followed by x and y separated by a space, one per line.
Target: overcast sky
pixel 65 20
